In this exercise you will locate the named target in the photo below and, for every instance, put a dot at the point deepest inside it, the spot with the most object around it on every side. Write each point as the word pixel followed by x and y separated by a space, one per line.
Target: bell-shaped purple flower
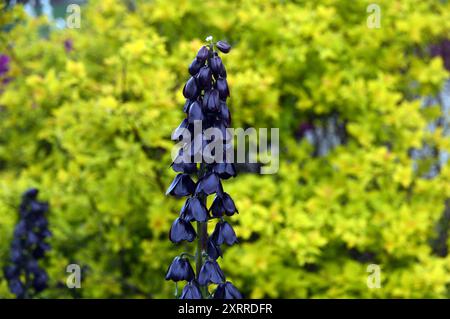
pixel 208 184
pixel 32 266
pixel 223 204
pixel 17 255
pixel 190 90
pixel 180 269
pixel 188 168
pixel 17 288
pixel 212 249
pixel 191 291
pixel 216 208
pixel 41 222
pixel 216 65
pixel 204 78
pixel 223 46
pixel 187 104
pixel 195 66
pixel 45 233
pixel 211 101
pixel 194 209
pixel 210 273
pixel 11 272
pixel 225 170
pixel 181 230
pixel 228 204
pixel 40 280
pixel 40 250
pixel 202 54
pixel 30 193
pixel 227 291
pixel 38 207
pixel 183 165
pixel 224 113
pixel 224 233
pixel 223 71
pixel 195 113
pixel 32 239
pixel 20 229
pixel 222 87
pixel 182 185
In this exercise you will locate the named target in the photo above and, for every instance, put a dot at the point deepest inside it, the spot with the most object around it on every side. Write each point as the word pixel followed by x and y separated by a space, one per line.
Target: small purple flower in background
pixel 4 64
pixel 206 93
pixel 4 69
pixel 442 49
pixel 68 45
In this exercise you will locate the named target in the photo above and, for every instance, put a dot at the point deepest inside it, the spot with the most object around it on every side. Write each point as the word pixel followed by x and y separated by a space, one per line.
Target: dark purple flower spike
pixel 24 275
pixel 206 93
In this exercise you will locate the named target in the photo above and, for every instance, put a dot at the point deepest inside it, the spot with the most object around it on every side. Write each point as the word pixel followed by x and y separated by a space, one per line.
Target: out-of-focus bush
pixel 86 117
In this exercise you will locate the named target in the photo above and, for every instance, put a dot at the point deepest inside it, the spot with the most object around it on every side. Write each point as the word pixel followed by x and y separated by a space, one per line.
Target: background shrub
pixel 87 115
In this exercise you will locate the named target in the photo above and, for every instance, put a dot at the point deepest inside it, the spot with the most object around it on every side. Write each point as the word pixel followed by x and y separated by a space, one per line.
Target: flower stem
pixel 202 232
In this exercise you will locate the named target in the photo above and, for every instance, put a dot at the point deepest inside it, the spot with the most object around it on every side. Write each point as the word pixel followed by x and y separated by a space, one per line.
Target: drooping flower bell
pixel 223 204
pixel 208 184
pixel 224 170
pixel 201 168
pixel 223 46
pixel 210 273
pixel 224 233
pixel 182 185
pixel 180 269
pixel 191 291
pixel 213 250
pixel 181 230
pixel 194 209
pixel 227 291
pixel 24 275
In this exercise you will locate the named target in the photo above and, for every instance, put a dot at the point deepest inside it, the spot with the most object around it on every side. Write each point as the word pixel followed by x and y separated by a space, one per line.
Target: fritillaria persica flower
pixel 181 230
pixel 227 291
pixel 224 233
pixel 24 275
pixel 194 209
pixel 180 269
pixel 223 46
pixel 191 291
pixel 210 273
pixel 206 92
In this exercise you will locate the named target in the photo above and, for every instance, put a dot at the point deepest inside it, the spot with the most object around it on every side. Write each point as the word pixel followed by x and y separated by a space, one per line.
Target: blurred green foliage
pixel 91 128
